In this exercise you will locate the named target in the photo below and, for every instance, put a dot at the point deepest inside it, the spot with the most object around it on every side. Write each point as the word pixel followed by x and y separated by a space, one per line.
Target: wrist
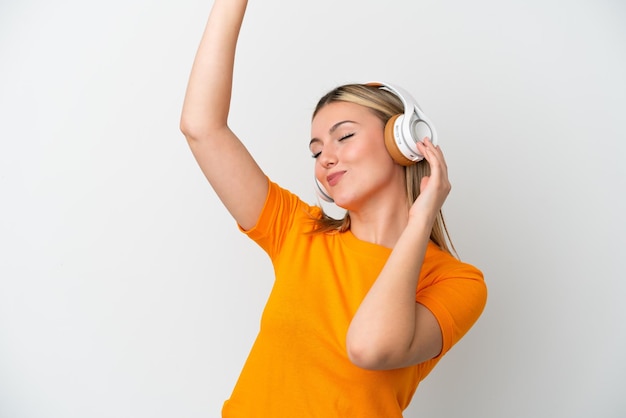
pixel 422 221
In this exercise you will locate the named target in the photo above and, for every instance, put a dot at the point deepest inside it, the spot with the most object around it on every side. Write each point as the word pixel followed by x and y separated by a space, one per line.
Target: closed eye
pixel 341 138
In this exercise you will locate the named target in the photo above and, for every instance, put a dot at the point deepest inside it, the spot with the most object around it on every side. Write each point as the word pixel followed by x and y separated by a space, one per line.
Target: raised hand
pixel 434 189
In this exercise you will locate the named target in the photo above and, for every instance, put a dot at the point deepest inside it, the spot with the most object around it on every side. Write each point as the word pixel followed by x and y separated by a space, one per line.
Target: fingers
pixel 433 154
pixel 438 167
pixel 435 187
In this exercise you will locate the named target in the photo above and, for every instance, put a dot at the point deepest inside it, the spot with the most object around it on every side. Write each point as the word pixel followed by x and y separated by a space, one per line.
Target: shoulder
pixel 288 203
pixel 454 291
pixel 443 273
pixel 282 210
pixel 440 262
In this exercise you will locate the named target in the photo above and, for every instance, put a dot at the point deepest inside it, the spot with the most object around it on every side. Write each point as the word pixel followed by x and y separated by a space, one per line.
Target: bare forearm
pixel 228 166
pixel 382 331
pixel 207 100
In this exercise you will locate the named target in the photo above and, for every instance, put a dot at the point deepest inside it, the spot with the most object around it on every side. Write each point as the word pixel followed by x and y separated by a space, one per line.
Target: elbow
pixel 369 355
pixel 195 131
pixel 199 123
pixel 185 127
pixel 190 129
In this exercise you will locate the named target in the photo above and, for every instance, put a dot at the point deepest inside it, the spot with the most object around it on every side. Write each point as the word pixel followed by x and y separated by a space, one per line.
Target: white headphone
pixel 402 132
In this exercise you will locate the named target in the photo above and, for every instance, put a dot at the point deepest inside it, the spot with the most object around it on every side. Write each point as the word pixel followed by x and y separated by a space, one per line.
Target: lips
pixel 334 178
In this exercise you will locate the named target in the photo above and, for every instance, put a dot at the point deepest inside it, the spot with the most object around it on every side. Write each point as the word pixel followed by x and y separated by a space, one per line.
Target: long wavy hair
pixel 384 105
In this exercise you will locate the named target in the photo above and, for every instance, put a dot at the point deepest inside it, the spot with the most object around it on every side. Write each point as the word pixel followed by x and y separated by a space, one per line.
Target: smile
pixel 334 178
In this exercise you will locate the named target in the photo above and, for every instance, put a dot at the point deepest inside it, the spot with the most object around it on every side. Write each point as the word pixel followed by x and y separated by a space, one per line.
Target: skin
pixel 348 141
pixel 390 329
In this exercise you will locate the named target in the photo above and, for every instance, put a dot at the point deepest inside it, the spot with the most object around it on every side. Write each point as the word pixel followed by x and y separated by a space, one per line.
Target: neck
pixel 380 225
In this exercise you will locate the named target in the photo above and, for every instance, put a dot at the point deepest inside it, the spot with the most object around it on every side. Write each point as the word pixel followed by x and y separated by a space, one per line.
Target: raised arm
pixel 226 163
pixel 391 330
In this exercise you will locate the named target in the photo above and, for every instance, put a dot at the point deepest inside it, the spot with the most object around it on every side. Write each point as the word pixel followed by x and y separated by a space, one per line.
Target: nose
pixel 328 158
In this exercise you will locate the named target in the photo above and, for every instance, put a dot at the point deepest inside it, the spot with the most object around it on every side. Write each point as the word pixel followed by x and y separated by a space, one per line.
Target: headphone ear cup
pixel 390 143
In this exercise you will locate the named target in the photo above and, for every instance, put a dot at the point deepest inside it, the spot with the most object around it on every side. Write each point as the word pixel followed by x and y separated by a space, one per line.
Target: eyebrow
pixel 331 130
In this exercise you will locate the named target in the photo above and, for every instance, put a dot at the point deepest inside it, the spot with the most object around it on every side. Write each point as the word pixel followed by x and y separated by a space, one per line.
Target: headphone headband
pixel 413 115
pixel 402 132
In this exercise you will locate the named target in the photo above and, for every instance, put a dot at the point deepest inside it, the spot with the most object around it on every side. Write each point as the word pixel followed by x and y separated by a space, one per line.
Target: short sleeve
pixel 456 297
pixel 276 218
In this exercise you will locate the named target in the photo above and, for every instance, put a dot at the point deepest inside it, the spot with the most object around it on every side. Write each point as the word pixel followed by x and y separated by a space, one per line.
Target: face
pixel 351 160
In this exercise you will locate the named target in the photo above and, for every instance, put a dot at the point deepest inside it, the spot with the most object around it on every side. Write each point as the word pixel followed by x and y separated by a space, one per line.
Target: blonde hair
pixel 384 105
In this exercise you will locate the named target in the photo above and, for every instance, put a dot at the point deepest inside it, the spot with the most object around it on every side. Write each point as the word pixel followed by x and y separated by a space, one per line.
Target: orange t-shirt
pixel 298 366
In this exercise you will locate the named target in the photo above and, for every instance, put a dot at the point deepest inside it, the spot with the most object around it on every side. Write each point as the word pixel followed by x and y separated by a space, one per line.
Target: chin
pixel 345 202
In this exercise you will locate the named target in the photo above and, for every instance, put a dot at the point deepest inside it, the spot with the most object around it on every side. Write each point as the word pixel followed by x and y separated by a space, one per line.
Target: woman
pixel 362 308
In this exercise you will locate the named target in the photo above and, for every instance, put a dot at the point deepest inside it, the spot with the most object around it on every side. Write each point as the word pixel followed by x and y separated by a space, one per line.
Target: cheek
pixel 371 151
pixel 359 151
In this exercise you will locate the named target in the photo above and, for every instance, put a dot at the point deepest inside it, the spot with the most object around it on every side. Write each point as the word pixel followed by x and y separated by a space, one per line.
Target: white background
pixel 126 289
